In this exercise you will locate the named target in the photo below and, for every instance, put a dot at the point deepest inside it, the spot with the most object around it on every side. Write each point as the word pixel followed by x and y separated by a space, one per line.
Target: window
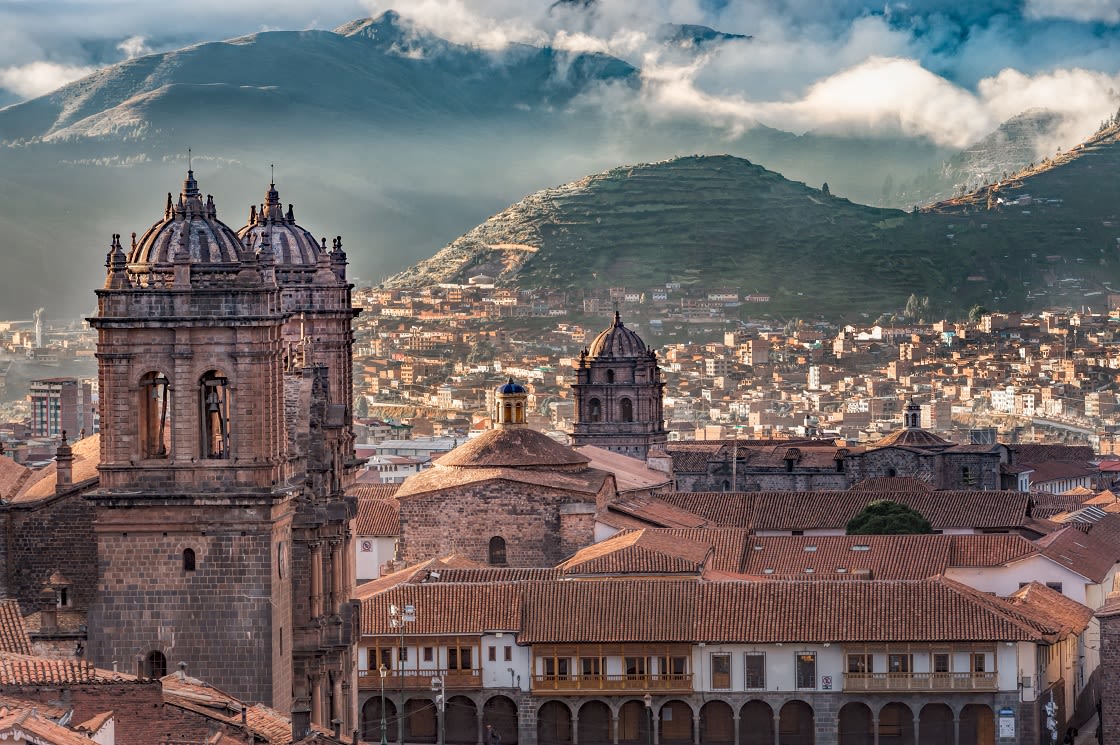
pixel 979 662
pixel 721 671
pixel 188 559
pixel 966 476
pixel 557 667
pixel 1055 586
pixel 402 654
pixel 155 666
pixel 385 657
pixel 636 667
pixel 676 666
pixel 941 662
pixel 214 394
pixel 861 663
pixel 900 663
pixel 492 654
pixel 626 407
pixel 509 653
pixel 428 654
pixel 590 667
pixel 155 415
pixel 594 410
pixel 497 551
pixel 610 376
pixel 458 658
pixel 754 670
pixel 806 670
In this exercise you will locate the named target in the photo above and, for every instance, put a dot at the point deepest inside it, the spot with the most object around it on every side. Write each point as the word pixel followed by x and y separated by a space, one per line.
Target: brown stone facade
pixel 538 525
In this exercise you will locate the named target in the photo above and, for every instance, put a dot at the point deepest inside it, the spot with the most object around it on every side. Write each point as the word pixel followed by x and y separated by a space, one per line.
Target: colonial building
pixel 222 534
pixel 618 393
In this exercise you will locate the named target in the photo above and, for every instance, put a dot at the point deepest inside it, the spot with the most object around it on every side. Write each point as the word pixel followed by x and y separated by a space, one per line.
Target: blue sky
pixel 913 66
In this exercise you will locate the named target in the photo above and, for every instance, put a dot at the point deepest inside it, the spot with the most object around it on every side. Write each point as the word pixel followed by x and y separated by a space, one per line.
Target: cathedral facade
pixel 222 533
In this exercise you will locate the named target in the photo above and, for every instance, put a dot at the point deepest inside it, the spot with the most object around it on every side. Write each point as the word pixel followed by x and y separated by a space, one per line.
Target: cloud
pixel 37 78
pixel 134 46
pixel 1104 11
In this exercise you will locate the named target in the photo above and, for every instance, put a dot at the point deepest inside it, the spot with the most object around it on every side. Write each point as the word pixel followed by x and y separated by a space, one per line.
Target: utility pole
pixel 398 617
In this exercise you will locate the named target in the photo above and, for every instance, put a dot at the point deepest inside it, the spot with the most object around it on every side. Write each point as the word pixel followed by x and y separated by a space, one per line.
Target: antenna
pixel 189 159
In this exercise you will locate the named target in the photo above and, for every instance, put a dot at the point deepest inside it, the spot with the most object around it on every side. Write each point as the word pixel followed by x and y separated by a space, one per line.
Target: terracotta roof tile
pixel 23 670
pixel 512 447
pixel 1086 554
pixel 1072 617
pixel 28 725
pixel 586 481
pixel 87 454
pixel 641 552
pixel 13 633
pixel 445 608
pixel 377 517
pixel 891 484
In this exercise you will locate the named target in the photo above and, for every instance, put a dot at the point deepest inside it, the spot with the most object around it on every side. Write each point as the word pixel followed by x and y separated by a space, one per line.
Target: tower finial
pixel 190 167
pixel 272 171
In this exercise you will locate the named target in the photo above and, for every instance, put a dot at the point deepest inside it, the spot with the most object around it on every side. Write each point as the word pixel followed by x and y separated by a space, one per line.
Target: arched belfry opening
pixel 155 415
pixel 214 400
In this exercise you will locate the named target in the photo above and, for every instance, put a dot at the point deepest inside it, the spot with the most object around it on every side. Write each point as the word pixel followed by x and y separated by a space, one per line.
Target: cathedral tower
pixel 225 446
pixel 618 393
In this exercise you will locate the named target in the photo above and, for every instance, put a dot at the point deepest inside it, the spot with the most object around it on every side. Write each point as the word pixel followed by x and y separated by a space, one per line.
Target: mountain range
pixel 379 131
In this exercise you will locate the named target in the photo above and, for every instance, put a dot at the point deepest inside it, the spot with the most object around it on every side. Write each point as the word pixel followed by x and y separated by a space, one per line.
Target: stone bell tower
pixel 619 393
pixel 197 489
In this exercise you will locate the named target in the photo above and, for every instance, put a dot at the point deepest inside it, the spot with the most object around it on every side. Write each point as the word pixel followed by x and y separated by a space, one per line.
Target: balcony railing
pixel 921 682
pixel 411 680
pixel 675 683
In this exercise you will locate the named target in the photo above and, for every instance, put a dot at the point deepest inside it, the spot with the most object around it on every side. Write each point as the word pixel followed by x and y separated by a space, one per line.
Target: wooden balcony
pixel 921 682
pixel 413 680
pixel 612 684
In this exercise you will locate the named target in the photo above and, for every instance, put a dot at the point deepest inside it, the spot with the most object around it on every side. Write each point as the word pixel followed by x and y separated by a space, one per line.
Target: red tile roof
pixel 641 552
pixel 13 633
pixel 1086 554
pixel 445 608
pixel 28 725
pixel 25 670
pixel 586 481
pixel 1052 606
pixel 377 517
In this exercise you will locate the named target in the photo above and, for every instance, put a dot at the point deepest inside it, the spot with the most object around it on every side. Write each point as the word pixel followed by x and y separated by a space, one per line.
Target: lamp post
pixel 398 617
pixel 441 704
pixel 649 717
pixel 383 671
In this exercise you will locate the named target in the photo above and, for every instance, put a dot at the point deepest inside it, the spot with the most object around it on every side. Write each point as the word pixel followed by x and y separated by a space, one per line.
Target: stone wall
pixel 1110 671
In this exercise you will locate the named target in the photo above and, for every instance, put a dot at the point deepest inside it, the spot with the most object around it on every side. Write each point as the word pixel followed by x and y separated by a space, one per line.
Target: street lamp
pixel 441 704
pixel 649 717
pixel 383 671
pixel 398 617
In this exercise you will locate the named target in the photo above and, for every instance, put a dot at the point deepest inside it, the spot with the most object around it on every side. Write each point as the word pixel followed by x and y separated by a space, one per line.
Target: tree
pixel 884 517
pixel 976 312
pixel 361 407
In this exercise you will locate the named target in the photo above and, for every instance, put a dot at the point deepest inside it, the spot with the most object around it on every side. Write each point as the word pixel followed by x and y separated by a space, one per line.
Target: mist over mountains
pixel 387 134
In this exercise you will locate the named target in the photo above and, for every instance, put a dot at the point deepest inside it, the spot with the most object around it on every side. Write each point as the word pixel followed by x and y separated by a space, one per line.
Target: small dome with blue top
pixel 510 386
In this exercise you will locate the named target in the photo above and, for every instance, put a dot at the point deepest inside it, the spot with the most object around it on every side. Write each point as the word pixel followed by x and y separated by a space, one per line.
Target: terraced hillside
pixel 710 221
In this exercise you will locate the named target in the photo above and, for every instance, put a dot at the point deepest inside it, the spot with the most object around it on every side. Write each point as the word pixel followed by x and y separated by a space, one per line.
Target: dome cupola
pixel 617 341
pixel 293 246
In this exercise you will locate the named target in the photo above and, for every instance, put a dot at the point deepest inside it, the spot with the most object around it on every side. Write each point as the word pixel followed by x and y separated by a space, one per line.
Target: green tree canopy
pixel 884 517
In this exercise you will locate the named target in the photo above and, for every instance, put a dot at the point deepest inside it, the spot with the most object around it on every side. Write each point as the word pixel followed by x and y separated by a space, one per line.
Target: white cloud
pixel 37 78
pixel 134 46
pixel 1106 11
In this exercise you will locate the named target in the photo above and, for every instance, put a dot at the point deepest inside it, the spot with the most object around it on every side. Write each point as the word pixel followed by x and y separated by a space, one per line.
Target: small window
pixel 721 671
pixel 754 670
pixel 492 654
pixel 508 653
pixel 155 665
pixel 402 654
pixel 610 376
pixel 590 667
pixel 941 662
pixel 979 662
pixel 385 657
pixel 806 670
pixel 188 559
pixel 892 472
pixel 626 407
pixel 497 551
pixel 636 667
pixel 428 653
pixel 1055 586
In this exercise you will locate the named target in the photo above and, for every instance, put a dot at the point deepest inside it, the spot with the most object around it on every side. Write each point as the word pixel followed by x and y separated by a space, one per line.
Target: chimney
pixel 301 722
pixel 48 614
pixel 64 466
pixel 336 725
pixel 244 715
pixel 182 671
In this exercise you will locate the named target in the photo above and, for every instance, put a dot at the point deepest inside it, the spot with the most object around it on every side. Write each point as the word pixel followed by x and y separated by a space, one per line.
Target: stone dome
pixel 519 447
pixel 913 437
pixel 292 246
pixel 190 224
pixel 618 341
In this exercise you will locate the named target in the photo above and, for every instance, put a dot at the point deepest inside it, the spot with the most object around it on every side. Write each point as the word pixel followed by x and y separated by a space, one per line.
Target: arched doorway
pixel 978 725
pixel 674 720
pixel 717 724
pixel 935 724
pixel 500 712
pixel 554 724
pixel 155 666
pixel 896 724
pixel 371 720
pixel 460 721
pixel 853 725
pixel 419 720
pixel 795 724
pixel 634 723
pixel 594 724
pixel 756 724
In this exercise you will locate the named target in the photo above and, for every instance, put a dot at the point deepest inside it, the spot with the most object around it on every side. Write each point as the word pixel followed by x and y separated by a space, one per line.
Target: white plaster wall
pixel 368 564
pixel 497 674
pixel 1006 579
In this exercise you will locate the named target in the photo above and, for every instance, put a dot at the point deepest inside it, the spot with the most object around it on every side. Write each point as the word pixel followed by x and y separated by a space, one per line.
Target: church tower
pixel 226 443
pixel 618 393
